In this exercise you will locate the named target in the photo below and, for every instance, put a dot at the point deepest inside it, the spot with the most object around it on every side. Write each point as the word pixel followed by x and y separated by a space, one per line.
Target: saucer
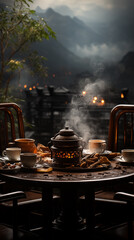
pixel 121 160
pixel 87 151
pixel 9 160
pixel 40 168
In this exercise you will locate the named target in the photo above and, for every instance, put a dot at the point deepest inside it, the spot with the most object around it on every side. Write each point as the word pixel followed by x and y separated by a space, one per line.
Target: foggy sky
pixel 118 12
pixel 92 10
pixel 80 7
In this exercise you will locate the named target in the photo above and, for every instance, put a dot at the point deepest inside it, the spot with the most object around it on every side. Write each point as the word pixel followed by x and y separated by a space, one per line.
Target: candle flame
pixel 122 95
pixel 84 93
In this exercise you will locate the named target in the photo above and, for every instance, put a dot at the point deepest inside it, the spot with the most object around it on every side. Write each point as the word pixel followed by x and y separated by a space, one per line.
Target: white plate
pixel 122 160
pixel 87 151
pixel 10 170
pixel 7 159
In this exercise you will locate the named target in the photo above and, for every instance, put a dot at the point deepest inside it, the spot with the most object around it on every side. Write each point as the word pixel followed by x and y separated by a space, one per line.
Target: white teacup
pixel 97 145
pixel 128 155
pixel 28 159
pixel 13 153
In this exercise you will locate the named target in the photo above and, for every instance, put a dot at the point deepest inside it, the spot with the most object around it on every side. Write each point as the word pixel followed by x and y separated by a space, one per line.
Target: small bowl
pixel 26 145
pixel 28 159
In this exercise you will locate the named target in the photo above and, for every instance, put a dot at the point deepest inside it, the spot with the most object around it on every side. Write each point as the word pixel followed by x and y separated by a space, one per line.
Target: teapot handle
pixel 49 144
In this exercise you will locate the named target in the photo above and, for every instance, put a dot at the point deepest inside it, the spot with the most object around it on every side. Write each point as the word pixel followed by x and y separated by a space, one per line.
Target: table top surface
pixel 116 172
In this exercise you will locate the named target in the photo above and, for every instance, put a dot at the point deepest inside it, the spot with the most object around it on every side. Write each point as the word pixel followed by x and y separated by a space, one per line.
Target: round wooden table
pixel 71 186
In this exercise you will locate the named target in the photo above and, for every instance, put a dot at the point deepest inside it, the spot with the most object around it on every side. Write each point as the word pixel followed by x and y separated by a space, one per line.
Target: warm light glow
pixel 84 93
pixel 34 87
pixel 66 154
pixel 25 86
pixel 30 88
pixel 94 101
pixel 122 95
pixel 95 98
pixel 102 101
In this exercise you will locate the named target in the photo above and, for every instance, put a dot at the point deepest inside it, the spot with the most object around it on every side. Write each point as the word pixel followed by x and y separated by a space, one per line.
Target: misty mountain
pixel 128 61
pixel 121 74
pixel 96 26
pixel 71 31
pixel 58 57
pixel 126 67
pixel 116 24
pixel 64 10
pixel 102 39
pixel 60 61
pixel 40 10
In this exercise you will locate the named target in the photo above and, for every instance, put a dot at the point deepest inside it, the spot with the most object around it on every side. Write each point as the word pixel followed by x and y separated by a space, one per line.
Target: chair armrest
pixel 2 182
pixel 12 196
pixel 124 196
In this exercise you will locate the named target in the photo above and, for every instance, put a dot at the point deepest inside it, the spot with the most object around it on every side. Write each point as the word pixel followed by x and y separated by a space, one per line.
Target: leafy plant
pixel 19 27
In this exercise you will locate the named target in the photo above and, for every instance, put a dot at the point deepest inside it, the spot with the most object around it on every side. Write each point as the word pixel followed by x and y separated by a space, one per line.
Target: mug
pixel 97 145
pixel 128 155
pixel 28 160
pixel 26 145
pixel 13 153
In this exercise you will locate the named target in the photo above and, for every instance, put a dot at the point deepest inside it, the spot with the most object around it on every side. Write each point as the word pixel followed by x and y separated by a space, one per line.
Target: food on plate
pixel 44 170
pixel 44 153
pixel 113 155
pixel 95 161
pixel 8 166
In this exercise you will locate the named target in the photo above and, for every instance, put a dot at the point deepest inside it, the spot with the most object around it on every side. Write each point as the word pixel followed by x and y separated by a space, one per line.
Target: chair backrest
pixel 11 124
pixel 121 127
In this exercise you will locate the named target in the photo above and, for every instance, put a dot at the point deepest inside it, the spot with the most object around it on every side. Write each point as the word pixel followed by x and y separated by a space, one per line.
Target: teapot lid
pixel 66 134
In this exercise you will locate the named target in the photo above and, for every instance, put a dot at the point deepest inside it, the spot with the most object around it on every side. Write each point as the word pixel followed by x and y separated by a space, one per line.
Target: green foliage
pixel 14 65
pixel 19 27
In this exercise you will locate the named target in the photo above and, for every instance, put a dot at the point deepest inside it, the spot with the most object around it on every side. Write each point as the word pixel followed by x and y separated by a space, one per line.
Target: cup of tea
pixel 28 160
pixel 127 155
pixel 97 145
pixel 13 153
pixel 26 145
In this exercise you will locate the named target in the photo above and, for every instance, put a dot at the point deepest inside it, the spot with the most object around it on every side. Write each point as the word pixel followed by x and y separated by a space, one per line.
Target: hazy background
pixel 93 51
pixel 93 37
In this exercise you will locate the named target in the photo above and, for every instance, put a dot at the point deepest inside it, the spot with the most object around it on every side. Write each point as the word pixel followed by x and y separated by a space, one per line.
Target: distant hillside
pixel 128 61
pixel 70 31
pixel 121 74
pixel 126 66
pixel 58 57
pixel 60 61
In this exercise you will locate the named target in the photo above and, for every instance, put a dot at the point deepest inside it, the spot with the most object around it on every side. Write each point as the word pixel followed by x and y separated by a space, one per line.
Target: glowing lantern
pixel 122 95
pixel 84 93
pixel 102 101
pixel 66 148
pixel 95 98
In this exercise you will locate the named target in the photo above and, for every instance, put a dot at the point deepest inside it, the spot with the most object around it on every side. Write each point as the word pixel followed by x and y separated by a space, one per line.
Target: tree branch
pixel 17 50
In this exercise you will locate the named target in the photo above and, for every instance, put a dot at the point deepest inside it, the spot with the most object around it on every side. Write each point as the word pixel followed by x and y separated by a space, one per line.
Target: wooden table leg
pixel 70 218
pixel 47 196
pixel 90 209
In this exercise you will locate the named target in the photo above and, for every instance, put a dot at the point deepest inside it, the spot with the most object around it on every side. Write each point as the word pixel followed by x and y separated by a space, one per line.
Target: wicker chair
pixel 121 127
pixel 12 127
pixel 120 136
pixel 12 231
